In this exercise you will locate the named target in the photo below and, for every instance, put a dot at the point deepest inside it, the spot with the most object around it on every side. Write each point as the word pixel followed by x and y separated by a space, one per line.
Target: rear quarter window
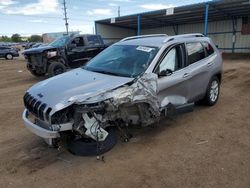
pixel 209 49
pixel 195 52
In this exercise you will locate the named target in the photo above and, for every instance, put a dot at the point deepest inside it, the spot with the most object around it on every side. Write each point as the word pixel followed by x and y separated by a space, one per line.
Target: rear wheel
pixel 213 92
pixel 9 56
pixel 56 68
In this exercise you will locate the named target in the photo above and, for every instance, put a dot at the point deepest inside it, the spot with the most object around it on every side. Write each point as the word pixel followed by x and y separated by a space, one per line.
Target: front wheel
pixel 37 73
pixel 56 68
pixel 213 91
pixel 9 56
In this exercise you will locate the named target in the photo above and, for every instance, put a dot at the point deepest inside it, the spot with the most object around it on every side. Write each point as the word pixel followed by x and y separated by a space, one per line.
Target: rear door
pixel 95 45
pixel 198 70
pixel 173 88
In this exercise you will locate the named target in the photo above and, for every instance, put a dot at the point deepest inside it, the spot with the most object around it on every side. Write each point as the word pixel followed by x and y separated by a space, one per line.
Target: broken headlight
pixel 62 116
pixel 51 54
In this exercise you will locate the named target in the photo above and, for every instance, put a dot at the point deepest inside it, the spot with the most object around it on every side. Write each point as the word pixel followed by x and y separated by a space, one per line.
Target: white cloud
pixel 156 6
pixel 75 7
pixel 85 29
pixel 103 12
pixel 37 21
pixel 40 7
pixel 112 4
pixel 7 2
pixel 122 0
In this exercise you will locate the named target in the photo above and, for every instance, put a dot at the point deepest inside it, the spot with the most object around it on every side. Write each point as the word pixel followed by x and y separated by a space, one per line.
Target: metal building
pixel 227 22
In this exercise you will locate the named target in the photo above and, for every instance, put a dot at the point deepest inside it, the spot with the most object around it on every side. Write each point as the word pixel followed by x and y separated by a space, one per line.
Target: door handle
pixel 209 64
pixel 186 75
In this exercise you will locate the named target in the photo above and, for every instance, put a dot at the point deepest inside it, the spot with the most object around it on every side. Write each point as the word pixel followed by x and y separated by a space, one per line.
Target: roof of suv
pixel 155 40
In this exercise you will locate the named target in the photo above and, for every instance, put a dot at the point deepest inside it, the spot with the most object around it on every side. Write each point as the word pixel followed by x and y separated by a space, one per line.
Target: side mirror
pixel 166 72
pixel 71 46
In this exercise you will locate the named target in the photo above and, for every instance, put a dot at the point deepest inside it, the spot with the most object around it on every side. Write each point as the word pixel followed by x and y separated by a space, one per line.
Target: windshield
pixel 123 60
pixel 60 42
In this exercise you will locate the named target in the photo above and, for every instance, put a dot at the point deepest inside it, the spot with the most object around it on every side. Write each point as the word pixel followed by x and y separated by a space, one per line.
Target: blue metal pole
pixel 206 20
pixel 139 25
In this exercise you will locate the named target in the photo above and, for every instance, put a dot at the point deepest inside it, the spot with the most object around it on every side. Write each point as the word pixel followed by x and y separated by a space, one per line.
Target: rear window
pixel 209 49
pixel 195 52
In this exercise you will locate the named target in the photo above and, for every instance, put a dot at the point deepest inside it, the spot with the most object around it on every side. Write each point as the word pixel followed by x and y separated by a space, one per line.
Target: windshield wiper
pixel 106 72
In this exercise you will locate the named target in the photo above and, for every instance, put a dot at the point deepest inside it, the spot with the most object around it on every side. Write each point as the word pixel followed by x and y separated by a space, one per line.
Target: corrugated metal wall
pixel 220 31
pixel 113 34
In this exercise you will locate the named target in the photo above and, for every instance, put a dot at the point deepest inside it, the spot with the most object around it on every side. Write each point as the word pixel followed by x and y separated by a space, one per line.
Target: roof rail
pixel 143 36
pixel 183 36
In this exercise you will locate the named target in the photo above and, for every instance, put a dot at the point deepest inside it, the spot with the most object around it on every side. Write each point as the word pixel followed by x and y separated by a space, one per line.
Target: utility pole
pixel 65 17
pixel 119 11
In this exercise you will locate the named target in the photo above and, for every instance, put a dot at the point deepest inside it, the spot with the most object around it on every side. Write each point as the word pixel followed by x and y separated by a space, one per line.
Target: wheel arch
pixel 219 76
pixel 58 59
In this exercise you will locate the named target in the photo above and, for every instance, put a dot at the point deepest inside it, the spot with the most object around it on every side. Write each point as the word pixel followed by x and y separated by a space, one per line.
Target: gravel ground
pixel 209 147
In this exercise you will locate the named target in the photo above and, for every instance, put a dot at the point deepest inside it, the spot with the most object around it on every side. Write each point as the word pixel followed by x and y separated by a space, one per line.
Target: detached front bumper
pixel 42 132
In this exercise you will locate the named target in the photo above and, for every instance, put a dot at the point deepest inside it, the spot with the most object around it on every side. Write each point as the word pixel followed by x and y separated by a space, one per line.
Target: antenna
pixel 119 11
pixel 65 17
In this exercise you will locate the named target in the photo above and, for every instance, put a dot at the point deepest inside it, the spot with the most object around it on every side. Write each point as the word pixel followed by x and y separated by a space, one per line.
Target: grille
pixel 36 59
pixel 36 107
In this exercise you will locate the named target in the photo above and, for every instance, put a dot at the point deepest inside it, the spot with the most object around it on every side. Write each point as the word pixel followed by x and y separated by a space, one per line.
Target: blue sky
pixel 40 16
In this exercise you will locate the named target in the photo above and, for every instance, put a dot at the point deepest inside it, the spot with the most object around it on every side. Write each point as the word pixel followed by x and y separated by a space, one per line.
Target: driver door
pixel 173 77
pixel 76 54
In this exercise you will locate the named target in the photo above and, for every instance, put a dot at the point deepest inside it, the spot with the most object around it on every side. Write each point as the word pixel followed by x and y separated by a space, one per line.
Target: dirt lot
pixel 206 148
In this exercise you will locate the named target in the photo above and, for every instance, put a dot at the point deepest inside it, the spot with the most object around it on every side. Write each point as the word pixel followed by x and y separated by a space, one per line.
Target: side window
pixel 172 61
pixel 93 40
pixel 195 52
pixel 209 49
pixel 78 41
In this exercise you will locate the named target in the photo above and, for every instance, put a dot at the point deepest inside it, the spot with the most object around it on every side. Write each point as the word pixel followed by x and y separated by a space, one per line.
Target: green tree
pixel 5 39
pixel 35 38
pixel 16 38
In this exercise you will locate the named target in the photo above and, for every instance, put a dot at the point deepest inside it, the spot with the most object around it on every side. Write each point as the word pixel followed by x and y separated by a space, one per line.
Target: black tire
pixel 9 56
pixel 56 68
pixel 209 99
pixel 89 147
pixel 37 74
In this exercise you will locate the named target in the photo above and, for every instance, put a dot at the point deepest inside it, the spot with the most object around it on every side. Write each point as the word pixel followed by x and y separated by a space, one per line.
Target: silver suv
pixel 136 81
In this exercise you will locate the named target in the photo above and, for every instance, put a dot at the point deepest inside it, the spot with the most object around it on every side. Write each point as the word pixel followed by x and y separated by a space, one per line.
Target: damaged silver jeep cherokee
pixel 138 80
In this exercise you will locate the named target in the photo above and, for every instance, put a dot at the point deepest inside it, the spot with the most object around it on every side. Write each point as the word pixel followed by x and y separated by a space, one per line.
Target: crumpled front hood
pixel 38 50
pixel 79 84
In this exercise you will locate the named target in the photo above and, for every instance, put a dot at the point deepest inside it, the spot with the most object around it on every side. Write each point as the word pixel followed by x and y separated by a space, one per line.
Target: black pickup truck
pixel 67 52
